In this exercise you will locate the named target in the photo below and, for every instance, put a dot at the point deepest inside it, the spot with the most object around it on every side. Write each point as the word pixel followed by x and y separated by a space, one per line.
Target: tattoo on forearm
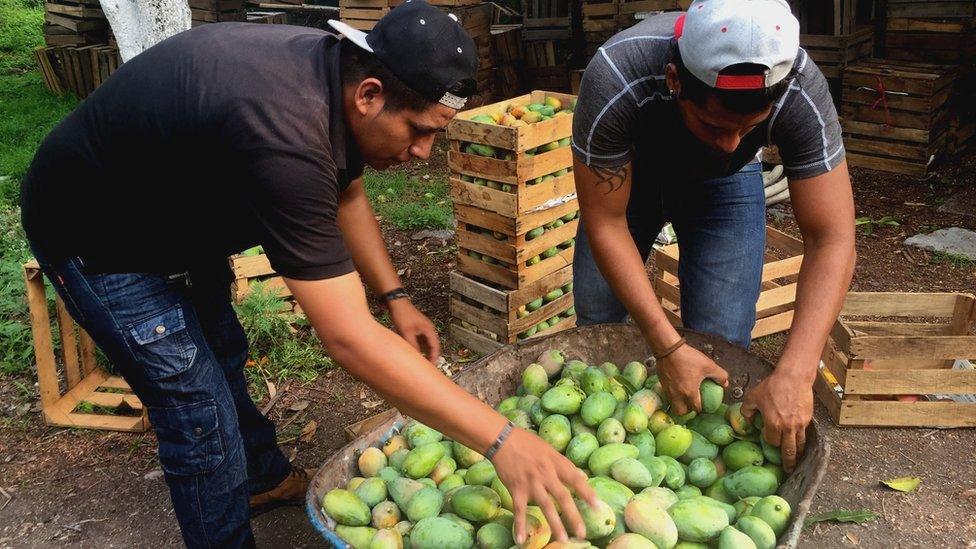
pixel 611 179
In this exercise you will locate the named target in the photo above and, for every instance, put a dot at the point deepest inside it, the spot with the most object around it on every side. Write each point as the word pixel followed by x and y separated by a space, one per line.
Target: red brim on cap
pixel 740 82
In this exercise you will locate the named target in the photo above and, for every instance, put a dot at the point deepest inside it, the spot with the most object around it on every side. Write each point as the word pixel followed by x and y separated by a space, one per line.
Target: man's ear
pixel 369 98
pixel 671 78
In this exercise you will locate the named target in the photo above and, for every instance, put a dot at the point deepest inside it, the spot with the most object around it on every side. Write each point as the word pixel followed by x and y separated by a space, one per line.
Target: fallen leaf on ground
pixel 903 484
pixel 370 404
pixel 298 406
pixel 842 515
pixel 308 432
pixel 853 539
pixel 272 390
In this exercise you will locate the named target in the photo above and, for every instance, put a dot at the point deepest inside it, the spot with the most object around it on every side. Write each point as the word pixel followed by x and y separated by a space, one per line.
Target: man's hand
pixel 682 373
pixel 786 403
pixel 416 328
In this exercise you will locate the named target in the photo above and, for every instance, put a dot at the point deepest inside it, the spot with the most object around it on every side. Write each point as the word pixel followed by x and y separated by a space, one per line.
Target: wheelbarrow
pixel 497 375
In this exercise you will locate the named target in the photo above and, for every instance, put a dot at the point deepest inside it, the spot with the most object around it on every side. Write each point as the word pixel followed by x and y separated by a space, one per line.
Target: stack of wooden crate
pixel 363 14
pixel 547 64
pixel 506 50
pixel 78 70
pixel 267 17
pixel 516 214
pixel 215 11
pixel 600 22
pixel 896 114
pixel 75 23
pixel 476 20
pixel 832 36
pixel 632 12
pixel 547 20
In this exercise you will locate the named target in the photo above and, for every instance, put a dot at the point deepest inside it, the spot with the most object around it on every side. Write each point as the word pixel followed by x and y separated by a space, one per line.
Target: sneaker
pixel 290 490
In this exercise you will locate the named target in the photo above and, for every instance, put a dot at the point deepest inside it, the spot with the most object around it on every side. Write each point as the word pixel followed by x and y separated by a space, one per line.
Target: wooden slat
pixel 773 324
pixel 114 400
pixel 910 382
pixel 668 292
pixel 825 393
pixel 899 328
pixel 69 401
pixel 47 373
pixel 783 242
pixel 357 429
pixel 131 424
pixel 906 347
pixel 964 310
pixel 782 268
pixel 912 304
pixel 776 297
pixel 87 346
pixel 475 342
pixel 69 344
pixel 908 414
pixel 114 382
pixel 913 169
pixel 482 293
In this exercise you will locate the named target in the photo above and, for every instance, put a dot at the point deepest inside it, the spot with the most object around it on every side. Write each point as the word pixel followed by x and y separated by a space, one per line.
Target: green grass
pixel 955 261
pixel 409 203
pixel 20 33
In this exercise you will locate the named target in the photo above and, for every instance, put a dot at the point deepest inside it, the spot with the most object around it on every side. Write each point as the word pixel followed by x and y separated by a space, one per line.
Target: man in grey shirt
pixel 670 118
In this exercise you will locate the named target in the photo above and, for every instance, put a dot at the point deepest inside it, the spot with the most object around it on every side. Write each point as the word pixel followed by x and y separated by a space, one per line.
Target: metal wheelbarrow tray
pixel 496 376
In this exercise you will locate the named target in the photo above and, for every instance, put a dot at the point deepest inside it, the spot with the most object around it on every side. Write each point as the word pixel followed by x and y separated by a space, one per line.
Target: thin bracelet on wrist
pixel 396 293
pixel 665 353
pixel 506 431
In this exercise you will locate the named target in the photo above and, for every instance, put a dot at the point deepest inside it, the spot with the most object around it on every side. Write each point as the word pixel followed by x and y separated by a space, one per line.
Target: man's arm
pixel 824 210
pixel 603 197
pixel 363 237
pixel 529 467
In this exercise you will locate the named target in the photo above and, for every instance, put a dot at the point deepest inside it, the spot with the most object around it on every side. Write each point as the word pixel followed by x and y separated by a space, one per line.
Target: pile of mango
pixel 536 304
pixel 508 188
pixel 531 235
pixel 696 481
pixel 515 116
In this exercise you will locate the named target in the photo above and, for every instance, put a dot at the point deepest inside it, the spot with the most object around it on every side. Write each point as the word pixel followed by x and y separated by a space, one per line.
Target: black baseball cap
pixel 425 48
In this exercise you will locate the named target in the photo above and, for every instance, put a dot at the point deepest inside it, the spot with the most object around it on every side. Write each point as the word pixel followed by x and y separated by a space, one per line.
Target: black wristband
pixel 396 293
pixel 490 453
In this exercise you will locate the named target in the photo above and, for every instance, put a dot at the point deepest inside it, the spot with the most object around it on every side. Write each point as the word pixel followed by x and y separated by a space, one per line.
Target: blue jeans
pixel 721 229
pixel 179 345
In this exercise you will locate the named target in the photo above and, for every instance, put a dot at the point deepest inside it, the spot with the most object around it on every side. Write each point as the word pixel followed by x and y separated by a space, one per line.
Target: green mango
pixel 565 142
pixel 476 503
pixel 739 423
pixel 508 404
pixel 504 495
pixel 611 431
pixel 358 537
pixel 631 473
pixel 675 476
pixel 484 119
pixel 550 146
pixel 422 460
pixel 615 494
pixel 635 420
pixel 535 380
pixel 526 402
pixel 504 517
pixel 597 407
pixel 691 545
pixel 673 441
pixel 446 466
pixel 700 447
pixel 371 492
pixel 744 506
pixel 538 414
pixel 534 305
pixel 581 447
pixel 770 452
pixel 644 441
pixel 603 457
pixel 389 473
pixel 751 481
pixel 386 514
pixel 617 390
pixel 563 400
pixel 573 369
pixel 636 373
pixel 711 396
pixel 418 434
pixel 659 496
pixel 774 511
pixel 650 520
pixel 717 491
pixel 742 453
pixel 776 470
pixel 426 503
pixel 535 233
pixel 556 431
pixel 758 531
pixel 440 533
pixel 578 427
pixel 701 472
pixel 460 521
pixel 427 482
pixel 465 457
pixel 609 369
pixel 450 482
pixel 657 467
pixel 480 474
pixel 547 111
pixel 697 521
pixel 600 519
pixel 482 150
pixel 550 252
pixel 402 489
pixel 723 435
pixel 593 380
pixel 494 536
pixel 520 418
pixel 553 295
pixel 730 538
pixel 659 421
pixel 346 508
pixel 688 491
pixel 629 540
pixel 397 458
pixel 535 107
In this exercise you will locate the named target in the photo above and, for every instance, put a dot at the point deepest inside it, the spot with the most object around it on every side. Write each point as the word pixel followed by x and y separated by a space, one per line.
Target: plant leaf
pixel 903 484
pixel 628 386
pixel 862 221
pixel 842 515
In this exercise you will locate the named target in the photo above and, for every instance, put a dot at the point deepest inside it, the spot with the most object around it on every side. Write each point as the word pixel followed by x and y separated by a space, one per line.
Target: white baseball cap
pixel 716 34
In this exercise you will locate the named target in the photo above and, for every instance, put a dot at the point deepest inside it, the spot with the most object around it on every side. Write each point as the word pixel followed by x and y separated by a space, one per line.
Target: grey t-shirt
pixel 625 112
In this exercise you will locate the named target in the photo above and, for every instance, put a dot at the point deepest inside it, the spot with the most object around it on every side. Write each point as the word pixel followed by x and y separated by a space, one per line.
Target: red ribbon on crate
pixel 883 101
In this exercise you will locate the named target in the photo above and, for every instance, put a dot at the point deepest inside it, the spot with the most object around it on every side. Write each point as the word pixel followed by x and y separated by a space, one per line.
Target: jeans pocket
pixel 189 438
pixel 163 344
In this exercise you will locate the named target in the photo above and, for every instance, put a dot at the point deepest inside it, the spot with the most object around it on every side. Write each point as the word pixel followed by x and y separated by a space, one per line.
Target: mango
pixel 547 111
pixel 741 453
pixel 616 495
pixel 388 474
pixel 657 467
pixel 385 514
pixel 422 460
pixel 538 414
pixel 688 491
pixel 535 233
pixel 552 296
pixel 354 483
pixel 419 434
pixel 444 468
pixel 597 407
pixel 751 481
pixel 711 396
pixel 776 470
pixel 509 403
pixel 538 532
pixel 650 520
pixel 397 458
pixel 371 491
pixel 700 447
pixel 531 117
pixel 701 472
pixel 526 402
pixel 609 369
pixel 371 461
pixel 551 146
pixel 481 150
pixel 593 380
pixel 346 508
pixel 566 141
pixel 573 368
pixel 739 423
pixel 636 374
pixel 774 511
pixel 635 420
pixel 394 443
pixel 387 538
pixel 659 421
pixel 484 119
pixel 644 441
pixel 758 531
pixel 440 533
pixel 556 431
pixel 617 390
pixel 518 111
pixel 717 491
pixel 475 503
pixel 504 517
pixel 631 473
pixel 426 503
pixel 770 452
pixel 534 377
pixel 723 435
pixel 450 482
pixel 744 505
pixel 402 489
pixel 494 536
pixel 359 537
pixel 730 538
pixel 504 496
pixel 631 541
pixel 581 447
pixel 599 519
pixel 658 496
pixel 554 103
pixel 675 475
pixel 611 431
pixel 691 545
pixel 550 252
pixel 465 457
pixel 563 400
pixel 696 521
pixel 552 360
pixel 673 441
pixel 535 107
pixel 480 474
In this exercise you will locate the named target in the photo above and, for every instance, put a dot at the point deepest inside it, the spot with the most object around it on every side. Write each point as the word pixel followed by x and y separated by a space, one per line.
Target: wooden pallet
pixel 78 69
pixel 905 137
pixel 502 315
pixel 833 54
pixel 878 372
pixel 363 14
pixel 84 380
pixel 774 309
pixel 546 20
pixel 632 11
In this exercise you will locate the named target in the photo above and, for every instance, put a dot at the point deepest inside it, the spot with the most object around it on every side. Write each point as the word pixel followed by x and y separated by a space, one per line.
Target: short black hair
pixel 357 64
pixel 737 101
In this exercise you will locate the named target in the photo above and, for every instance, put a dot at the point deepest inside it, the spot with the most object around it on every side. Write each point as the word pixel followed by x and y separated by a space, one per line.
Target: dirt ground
pixel 96 489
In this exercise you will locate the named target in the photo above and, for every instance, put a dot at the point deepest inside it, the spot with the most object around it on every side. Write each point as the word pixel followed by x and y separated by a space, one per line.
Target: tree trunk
pixel 140 24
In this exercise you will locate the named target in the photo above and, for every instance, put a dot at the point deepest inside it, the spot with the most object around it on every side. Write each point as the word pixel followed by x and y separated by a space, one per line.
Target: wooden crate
pixel 922 9
pixel 267 17
pixel 249 270
pixel 84 380
pixel 632 11
pixel 834 53
pixel 774 309
pixel 363 14
pixel 483 310
pixel 836 17
pixel 878 372
pixel 547 64
pixel 546 20
pixel 910 131
pixel 78 69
